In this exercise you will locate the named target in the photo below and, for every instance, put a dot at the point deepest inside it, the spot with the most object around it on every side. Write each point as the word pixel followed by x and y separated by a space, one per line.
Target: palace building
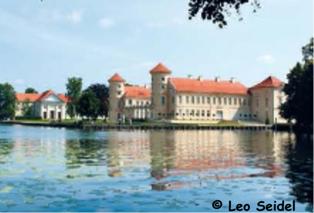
pixel 195 99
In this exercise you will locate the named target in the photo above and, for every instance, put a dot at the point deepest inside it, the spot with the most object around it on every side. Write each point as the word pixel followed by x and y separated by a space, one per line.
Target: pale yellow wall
pixel 136 108
pixel 207 106
pixel 260 107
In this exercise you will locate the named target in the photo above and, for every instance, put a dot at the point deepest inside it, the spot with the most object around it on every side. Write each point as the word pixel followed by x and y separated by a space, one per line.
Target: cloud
pixel 74 17
pixel 106 23
pixel 266 58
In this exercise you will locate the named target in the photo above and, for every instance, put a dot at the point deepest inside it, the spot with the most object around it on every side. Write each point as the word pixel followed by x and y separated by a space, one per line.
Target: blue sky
pixel 44 43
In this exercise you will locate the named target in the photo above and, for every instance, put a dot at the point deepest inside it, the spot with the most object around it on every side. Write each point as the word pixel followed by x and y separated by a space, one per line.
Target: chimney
pixel 232 80
pixel 217 79
pixel 189 76
pixel 200 78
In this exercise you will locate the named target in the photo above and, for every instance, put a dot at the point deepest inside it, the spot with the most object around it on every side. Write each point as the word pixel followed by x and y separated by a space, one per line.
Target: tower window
pixel 163 100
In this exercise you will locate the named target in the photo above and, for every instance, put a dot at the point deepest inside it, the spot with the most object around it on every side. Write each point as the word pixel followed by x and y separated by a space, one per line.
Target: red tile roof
pixel 116 78
pixel 34 97
pixel 22 97
pixel 160 68
pixel 137 92
pixel 270 82
pixel 64 98
pixel 207 86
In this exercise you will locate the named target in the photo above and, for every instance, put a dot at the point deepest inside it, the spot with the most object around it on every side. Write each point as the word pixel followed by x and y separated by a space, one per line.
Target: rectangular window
pixel 235 101
pixel 173 99
pixel 230 100
pixel 219 100
pixel 214 100
pixel 225 101
pixel 198 99
pixel 203 113
pixel 163 100
pixel 187 99
pixel 180 99
pixel 208 100
pixel 203 99
pixel 193 99
pixel 130 102
pixel 244 101
pixel 192 112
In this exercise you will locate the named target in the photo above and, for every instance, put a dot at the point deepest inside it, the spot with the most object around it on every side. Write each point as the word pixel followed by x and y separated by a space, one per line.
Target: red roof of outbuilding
pixel 116 78
pixel 208 86
pixel 160 68
pixel 270 82
pixel 22 97
pixel 34 97
pixel 137 92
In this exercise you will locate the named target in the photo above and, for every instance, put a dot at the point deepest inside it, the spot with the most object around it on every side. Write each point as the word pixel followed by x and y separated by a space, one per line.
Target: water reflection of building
pixel 127 149
pixel 172 153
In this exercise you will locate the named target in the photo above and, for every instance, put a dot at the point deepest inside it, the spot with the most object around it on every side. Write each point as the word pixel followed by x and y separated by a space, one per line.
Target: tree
pixel 27 108
pixel 299 91
pixel 74 89
pixel 88 104
pixel 102 93
pixel 307 52
pixel 30 90
pixel 216 10
pixel 7 101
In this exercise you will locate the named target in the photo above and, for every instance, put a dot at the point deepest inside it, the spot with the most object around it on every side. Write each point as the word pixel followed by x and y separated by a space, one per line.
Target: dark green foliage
pixel 216 10
pixel 7 101
pixel 299 91
pixel 102 93
pixel 27 109
pixel 88 105
pixel 307 51
pixel 30 90
pixel 74 89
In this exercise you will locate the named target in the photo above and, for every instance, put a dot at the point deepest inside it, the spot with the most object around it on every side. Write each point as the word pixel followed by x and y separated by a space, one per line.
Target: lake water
pixel 51 169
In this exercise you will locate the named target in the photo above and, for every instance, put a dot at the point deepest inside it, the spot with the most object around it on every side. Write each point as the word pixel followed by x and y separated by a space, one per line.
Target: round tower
pixel 160 75
pixel 116 91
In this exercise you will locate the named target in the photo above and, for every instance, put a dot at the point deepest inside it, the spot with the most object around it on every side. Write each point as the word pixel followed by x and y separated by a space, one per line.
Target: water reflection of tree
pixel 6 148
pixel 84 152
pixel 162 153
pixel 299 158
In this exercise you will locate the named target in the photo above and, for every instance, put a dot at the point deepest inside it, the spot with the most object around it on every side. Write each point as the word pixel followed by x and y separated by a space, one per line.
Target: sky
pixel 44 43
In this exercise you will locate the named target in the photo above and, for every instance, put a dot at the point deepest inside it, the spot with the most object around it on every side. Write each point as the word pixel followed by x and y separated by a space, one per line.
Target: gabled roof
pixel 116 78
pixel 188 85
pixel 34 97
pixel 160 68
pixel 269 82
pixel 45 94
pixel 137 92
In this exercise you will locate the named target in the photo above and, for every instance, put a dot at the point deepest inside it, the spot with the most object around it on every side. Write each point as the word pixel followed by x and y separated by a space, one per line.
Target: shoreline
pixel 151 126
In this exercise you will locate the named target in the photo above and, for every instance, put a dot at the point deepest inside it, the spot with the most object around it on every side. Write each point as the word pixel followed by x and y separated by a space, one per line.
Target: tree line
pixel 91 103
